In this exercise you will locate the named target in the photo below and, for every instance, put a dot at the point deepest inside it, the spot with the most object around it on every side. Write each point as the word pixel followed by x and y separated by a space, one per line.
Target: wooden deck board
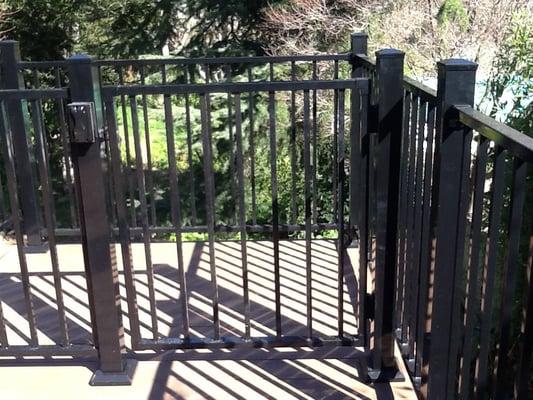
pixel 330 373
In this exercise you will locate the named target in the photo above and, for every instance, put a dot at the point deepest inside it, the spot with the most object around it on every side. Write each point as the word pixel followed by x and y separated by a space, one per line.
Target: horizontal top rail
pixel 198 60
pixel 419 89
pixel 33 94
pixel 518 143
pixel 234 87
pixel 365 61
pixel 41 64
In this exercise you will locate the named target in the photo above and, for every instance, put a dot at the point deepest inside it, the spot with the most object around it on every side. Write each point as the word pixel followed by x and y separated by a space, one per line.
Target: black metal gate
pixel 242 221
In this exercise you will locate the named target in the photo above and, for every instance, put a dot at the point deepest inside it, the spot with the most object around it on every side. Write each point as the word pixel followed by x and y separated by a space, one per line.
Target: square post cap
pixel 390 53
pixel 456 64
pixel 80 58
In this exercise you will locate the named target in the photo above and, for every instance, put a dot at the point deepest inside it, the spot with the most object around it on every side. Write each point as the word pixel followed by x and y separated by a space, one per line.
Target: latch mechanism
pixel 83 122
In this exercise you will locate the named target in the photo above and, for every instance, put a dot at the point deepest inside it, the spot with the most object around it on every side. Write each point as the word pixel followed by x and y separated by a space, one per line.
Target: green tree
pixel 46 28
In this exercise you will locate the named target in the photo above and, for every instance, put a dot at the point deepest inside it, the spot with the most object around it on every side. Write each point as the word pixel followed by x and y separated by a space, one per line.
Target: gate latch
pixel 83 122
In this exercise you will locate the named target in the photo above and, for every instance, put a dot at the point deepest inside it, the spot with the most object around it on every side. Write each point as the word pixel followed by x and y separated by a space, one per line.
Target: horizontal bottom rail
pixel 265 228
pixel 229 342
pixel 48 351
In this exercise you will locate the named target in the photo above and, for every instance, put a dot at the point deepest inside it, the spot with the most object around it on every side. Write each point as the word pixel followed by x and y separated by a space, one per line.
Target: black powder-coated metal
pixel 389 69
pixel 456 85
pixel 100 260
pixel 210 206
pixel 11 177
pixel 141 186
pixel 409 159
pixel 18 117
pixel 176 212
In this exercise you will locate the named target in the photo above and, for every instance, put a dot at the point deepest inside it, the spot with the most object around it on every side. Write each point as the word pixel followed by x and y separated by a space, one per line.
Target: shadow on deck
pixel 280 373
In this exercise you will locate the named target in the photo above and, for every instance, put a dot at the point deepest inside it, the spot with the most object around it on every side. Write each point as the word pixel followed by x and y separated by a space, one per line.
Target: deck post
pixel 86 122
pixel 456 83
pixel 18 116
pixel 358 45
pixel 389 69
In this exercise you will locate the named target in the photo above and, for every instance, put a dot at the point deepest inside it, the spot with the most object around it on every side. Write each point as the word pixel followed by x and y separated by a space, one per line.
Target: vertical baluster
pixel 192 184
pixel 210 204
pixel 504 369
pixel 459 284
pixel 3 210
pixel 144 214
pixel 314 162
pixel 242 215
pixel 425 249
pixel 127 168
pixel 363 214
pixel 275 205
pixel 47 198
pixel 523 376
pixel 3 132
pixel 231 139
pixel 334 140
pixel 308 214
pixel 340 216
pixel 110 202
pixel 149 173
pixel 117 170
pixel 417 233
pixel 294 203
pixel 472 298
pixel 175 204
pixel 252 148
pixel 404 168
pixel 489 272
pixel 408 320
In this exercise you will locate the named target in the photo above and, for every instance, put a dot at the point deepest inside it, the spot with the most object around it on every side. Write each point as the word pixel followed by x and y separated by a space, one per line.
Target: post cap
pixel 8 41
pixel 359 35
pixel 390 53
pixel 80 58
pixel 457 64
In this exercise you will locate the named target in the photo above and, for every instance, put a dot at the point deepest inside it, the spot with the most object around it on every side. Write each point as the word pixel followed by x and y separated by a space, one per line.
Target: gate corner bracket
pixel 385 375
pixel 120 378
pixel 36 248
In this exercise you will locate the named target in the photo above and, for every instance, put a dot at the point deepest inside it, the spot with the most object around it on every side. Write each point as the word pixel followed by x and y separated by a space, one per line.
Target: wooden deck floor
pixel 287 373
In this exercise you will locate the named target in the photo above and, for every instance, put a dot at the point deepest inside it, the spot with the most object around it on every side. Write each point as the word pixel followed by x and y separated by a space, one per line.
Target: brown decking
pixel 283 373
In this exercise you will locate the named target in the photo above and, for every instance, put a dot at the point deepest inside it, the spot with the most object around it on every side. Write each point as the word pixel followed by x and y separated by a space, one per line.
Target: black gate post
pixel 86 119
pixel 389 69
pixel 456 83
pixel 358 45
pixel 19 123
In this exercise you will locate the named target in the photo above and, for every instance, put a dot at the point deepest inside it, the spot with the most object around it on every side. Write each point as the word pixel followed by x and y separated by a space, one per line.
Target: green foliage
pixel 224 147
pixel 53 29
pixel 509 91
pixel 453 11
pixel 46 28
pixel 510 86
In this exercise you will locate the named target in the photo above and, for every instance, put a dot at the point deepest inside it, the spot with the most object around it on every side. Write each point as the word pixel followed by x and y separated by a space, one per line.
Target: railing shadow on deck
pixel 291 373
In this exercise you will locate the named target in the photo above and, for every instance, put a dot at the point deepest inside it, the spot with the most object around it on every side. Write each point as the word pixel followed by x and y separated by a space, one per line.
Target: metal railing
pixel 407 170
pixel 462 321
